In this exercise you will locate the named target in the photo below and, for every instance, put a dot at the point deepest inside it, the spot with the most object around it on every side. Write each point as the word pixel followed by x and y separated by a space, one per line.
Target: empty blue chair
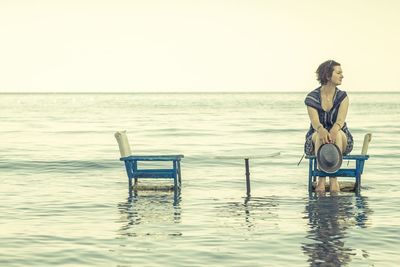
pixel 135 171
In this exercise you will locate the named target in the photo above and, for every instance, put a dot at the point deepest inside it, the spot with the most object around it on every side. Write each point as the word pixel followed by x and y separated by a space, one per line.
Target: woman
pixel 327 108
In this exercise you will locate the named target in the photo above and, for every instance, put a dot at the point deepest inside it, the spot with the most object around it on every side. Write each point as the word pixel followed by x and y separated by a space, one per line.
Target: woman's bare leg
pixel 320 188
pixel 341 142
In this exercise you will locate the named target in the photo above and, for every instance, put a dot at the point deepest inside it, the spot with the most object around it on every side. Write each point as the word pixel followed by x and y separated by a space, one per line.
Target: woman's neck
pixel 328 88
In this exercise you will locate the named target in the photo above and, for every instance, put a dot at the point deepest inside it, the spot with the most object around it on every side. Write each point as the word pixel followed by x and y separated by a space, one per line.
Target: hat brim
pixel 335 153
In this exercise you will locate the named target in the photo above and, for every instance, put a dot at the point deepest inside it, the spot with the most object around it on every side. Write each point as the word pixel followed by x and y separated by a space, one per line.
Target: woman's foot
pixel 334 186
pixel 320 188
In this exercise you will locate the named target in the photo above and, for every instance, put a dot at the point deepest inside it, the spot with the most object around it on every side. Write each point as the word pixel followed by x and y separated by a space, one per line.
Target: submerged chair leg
pixel 310 175
pixel 129 174
pixel 359 171
pixel 175 175
pixel 179 174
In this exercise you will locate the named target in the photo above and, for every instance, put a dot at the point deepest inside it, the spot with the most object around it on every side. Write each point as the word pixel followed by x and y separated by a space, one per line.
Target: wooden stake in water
pixel 246 161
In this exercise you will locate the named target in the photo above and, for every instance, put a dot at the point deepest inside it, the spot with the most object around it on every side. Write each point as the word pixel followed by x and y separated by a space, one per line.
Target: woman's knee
pixel 317 142
pixel 341 140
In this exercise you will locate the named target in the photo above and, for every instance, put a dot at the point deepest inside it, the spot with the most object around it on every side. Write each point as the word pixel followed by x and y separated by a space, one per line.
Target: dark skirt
pixel 309 146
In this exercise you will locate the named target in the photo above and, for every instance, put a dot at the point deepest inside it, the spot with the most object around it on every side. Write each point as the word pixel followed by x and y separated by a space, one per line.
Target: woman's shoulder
pixel 313 98
pixel 338 90
pixel 340 94
pixel 339 97
pixel 315 92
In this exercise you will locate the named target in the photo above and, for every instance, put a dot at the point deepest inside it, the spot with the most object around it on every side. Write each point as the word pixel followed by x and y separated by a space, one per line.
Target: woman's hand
pixel 333 134
pixel 324 136
pixel 335 131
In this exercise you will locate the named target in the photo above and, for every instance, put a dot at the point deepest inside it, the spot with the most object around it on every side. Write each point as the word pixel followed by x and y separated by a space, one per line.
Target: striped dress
pixel 326 118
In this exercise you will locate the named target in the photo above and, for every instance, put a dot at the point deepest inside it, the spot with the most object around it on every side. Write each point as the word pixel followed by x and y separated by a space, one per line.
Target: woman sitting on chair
pixel 327 108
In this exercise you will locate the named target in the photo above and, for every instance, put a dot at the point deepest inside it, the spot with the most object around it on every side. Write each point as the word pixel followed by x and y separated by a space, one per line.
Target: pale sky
pixel 204 45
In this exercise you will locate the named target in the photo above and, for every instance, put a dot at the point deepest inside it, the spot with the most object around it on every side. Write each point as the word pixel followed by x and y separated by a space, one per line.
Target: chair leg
pixel 134 170
pixel 357 186
pixel 129 185
pixel 129 174
pixel 175 175
pixel 310 175
pixel 179 174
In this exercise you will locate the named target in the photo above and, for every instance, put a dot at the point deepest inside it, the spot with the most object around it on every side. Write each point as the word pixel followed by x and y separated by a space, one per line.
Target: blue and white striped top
pixel 326 118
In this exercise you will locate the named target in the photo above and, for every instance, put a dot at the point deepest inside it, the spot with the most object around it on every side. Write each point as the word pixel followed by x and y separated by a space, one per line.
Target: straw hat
pixel 329 158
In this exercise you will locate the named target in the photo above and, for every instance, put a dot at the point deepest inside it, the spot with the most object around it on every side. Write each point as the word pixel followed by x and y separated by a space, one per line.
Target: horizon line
pixel 176 92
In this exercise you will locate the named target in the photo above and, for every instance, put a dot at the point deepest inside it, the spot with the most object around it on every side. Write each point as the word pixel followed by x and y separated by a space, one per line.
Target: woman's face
pixel 337 75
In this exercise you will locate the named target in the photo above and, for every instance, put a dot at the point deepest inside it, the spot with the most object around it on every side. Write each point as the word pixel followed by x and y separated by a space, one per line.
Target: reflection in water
pixel 329 217
pixel 149 208
pixel 254 211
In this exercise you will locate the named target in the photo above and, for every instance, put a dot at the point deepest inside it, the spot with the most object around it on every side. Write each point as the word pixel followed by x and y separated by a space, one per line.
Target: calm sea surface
pixel 64 196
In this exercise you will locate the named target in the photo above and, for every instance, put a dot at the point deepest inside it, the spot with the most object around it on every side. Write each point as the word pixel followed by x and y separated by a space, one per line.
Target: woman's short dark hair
pixel 325 70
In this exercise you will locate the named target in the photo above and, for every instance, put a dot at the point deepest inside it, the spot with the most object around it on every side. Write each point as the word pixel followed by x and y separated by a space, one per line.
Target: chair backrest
pixel 367 139
pixel 123 143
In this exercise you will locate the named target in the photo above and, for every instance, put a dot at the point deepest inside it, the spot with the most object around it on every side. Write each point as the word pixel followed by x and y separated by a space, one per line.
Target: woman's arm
pixel 342 113
pixel 323 133
pixel 341 118
pixel 314 118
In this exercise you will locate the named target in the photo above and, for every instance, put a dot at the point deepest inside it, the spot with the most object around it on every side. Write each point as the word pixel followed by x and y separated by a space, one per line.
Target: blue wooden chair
pixel 135 171
pixel 354 172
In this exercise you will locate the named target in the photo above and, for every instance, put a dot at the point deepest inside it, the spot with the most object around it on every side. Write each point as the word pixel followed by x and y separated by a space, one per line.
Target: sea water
pixel 64 192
